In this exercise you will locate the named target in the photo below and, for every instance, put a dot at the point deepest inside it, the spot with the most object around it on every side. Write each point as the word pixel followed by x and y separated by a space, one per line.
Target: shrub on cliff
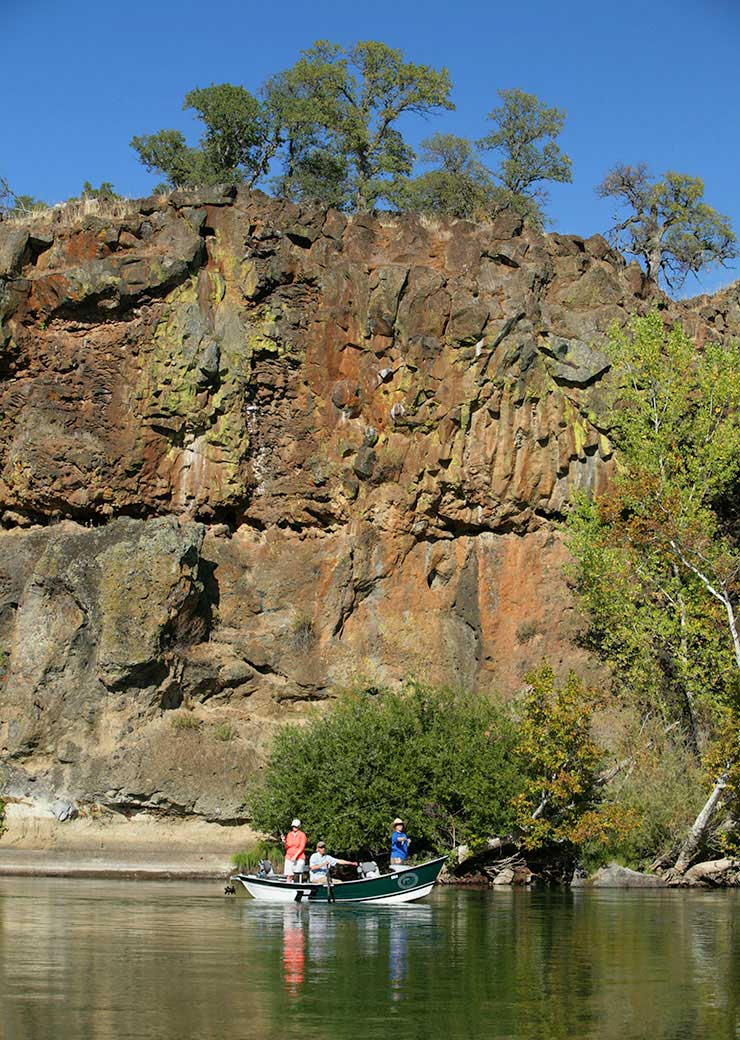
pixel 445 762
pixel 458 185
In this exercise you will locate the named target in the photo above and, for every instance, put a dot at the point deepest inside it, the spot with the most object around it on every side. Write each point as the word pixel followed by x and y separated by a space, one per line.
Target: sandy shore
pixel 114 864
pixel 112 846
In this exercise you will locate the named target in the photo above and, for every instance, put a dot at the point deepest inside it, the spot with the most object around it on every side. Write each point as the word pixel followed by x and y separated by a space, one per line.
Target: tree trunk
pixel 654 245
pixel 700 824
pixel 684 681
pixel 654 257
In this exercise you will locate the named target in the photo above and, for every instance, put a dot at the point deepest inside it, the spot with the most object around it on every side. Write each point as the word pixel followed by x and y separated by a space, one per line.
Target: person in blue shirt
pixel 399 844
pixel 320 864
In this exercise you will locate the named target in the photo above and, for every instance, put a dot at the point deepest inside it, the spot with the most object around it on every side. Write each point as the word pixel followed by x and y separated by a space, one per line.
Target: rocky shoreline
pixel 723 872
pixel 153 848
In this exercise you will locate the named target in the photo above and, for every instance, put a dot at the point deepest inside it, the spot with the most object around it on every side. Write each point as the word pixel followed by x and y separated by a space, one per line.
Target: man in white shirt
pixel 320 863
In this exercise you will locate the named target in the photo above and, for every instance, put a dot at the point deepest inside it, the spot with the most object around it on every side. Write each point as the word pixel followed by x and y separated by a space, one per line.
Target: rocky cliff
pixel 250 452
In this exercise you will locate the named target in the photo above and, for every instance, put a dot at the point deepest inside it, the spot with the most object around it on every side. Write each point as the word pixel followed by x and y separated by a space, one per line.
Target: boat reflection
pixel 317 941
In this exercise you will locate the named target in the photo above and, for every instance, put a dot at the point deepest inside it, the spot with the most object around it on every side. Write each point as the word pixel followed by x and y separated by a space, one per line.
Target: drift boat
pixel 400 886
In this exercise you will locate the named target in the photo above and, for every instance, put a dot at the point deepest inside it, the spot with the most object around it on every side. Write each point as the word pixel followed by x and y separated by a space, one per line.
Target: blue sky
pixel 641 81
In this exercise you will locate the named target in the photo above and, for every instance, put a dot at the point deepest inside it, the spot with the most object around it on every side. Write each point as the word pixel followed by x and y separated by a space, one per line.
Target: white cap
pixel 296 823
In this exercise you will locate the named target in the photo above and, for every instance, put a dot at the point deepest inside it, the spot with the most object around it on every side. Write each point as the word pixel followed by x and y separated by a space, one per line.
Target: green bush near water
pixel 249 860
pixel 659 795
pixel 2 817
pixel 445 762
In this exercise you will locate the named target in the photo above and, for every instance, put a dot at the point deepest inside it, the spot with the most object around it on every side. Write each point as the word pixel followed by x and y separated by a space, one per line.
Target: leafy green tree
pixel 657 558
pixel 236 146
pixel 459 186
pixel 668 224
pixel 302 102
pixel 168 153
pixel 524 134
pixel 649 620
pixel 562 798
pixel 337 110
pixel 105 192
pixel 444 762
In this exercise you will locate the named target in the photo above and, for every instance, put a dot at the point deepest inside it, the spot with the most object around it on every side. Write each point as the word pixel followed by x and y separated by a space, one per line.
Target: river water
pixel 89 960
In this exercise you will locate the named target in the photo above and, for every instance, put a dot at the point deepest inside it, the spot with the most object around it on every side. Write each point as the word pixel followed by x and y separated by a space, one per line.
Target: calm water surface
pixel 87 960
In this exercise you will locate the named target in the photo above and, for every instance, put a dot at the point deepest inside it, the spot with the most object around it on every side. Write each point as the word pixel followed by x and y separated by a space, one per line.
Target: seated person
pixel 320 863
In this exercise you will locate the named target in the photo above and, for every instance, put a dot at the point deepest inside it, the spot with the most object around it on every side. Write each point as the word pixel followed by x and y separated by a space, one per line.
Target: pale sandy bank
pixel 111 845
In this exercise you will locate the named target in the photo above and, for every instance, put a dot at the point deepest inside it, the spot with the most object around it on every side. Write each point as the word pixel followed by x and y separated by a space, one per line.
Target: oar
pixel 330 897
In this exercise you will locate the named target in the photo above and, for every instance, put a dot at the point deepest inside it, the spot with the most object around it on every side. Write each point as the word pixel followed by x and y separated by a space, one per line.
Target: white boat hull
pixel 284 894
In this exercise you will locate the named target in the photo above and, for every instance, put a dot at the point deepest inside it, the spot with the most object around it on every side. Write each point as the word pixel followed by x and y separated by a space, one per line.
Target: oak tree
pixel 666 223
pixel 235 147
pixel 338 110
pixel 524 135
pixel 459 185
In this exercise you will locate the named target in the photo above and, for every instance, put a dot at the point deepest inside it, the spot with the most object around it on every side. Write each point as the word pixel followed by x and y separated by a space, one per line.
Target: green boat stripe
pixel 385 895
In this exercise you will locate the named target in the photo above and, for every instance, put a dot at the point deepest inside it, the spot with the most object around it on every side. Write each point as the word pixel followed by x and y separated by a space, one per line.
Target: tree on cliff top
pixel 21 205
pixel 459 186
pixel 668 225
pixel 235 147
pixel 525 135
pixel 337 111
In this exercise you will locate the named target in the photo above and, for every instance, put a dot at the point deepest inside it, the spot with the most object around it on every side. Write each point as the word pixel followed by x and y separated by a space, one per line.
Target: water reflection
pixel 310 938
pixel 294 950
pixel 173 961
pixel 397 956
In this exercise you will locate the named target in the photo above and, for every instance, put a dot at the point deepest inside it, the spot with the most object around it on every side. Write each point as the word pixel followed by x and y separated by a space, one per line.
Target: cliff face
pixel 249 452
